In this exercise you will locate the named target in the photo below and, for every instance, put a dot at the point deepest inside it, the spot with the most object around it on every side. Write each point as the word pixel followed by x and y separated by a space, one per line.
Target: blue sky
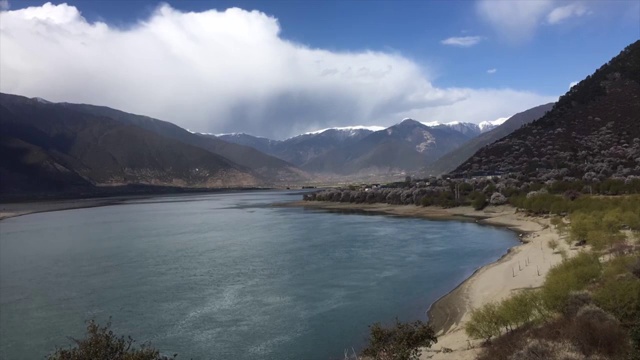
pixel 518 54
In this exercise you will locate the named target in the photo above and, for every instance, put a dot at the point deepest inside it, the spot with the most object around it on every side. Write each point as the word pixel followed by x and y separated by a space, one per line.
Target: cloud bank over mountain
pixel 226 71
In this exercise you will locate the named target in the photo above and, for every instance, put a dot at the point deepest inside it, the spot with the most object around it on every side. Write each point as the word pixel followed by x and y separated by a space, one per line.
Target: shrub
pixel 399 342
pixel 498 199
pixel 479 202
pixel 594 331
pixel 102 344
pixel 571 275
pixel 620 297
pixel 521 308
pixel 486 322
pixel 545 349
pixel 576 301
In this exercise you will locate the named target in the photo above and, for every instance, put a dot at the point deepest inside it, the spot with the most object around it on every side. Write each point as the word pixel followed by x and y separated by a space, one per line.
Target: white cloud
pixel 483 105
pixel 516 21
pixel 225 71
pixel 573 83
pixel 562 13
pixel 492 71
pixel 462 41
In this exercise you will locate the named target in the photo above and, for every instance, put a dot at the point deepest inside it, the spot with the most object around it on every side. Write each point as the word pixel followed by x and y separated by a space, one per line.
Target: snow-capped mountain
pixel 490 125
pixel 348 130
pixel 408 145
pixel 302 148
pixel 467 128
pixel 259 143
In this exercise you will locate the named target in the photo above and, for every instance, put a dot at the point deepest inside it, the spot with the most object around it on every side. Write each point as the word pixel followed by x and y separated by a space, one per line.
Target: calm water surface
pixel 227 276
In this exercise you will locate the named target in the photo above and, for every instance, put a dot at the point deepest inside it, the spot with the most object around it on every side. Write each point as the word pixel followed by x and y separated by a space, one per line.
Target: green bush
pixel 573 274
pixel 523 308
pixel 620 297
pixel 102 344
pixel 486 322
pixel 520 309
pixel 399 342
pixel 478 200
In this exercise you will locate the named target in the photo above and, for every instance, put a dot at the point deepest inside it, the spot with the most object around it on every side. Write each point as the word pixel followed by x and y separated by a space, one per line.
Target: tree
pixel 399 342
pixel 486 322
pixel 498 199
pixel 102 344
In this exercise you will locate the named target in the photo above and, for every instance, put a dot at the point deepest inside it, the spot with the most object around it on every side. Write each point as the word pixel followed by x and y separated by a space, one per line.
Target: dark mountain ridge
pixel 455 158
pixel 51 148
pixel 592 132
pixel 271 170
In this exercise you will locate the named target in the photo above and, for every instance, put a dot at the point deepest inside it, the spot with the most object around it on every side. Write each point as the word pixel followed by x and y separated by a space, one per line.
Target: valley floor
pixel 524 266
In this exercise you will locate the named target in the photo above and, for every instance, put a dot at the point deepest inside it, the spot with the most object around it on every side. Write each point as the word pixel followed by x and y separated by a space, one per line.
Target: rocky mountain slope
pixel 325 151
pixel 467 128
pixel 453 159
pixel 406 147
pixel 271 170
pixel 592 132
pixel 63 148
pixel 300 149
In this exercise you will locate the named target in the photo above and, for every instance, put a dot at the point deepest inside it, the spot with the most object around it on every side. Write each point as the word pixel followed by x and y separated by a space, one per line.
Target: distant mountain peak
pixel 408 121
pixel 347 129
pixel 488 125
pixel 41 100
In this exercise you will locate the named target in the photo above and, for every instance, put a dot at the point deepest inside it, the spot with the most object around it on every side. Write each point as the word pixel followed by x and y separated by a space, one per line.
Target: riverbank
pixel 10 210
pixel 524 266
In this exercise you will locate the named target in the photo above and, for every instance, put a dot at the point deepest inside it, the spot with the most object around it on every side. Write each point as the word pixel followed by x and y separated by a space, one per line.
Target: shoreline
pixel 11 210
pixel 523 266
pixel 21 208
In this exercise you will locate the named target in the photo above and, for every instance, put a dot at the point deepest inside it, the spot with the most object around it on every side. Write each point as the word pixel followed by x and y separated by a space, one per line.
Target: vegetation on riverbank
pixel 554 195
pixel 401 341
pixel 589 305
pixel 101 343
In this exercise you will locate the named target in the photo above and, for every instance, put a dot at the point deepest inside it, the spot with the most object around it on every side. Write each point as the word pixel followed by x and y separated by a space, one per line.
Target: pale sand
pixel 524 266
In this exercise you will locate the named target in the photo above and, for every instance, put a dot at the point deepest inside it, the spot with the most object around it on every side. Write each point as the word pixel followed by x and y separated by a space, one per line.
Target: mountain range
pixel 69 149
pixel 79 148
pixel 344 150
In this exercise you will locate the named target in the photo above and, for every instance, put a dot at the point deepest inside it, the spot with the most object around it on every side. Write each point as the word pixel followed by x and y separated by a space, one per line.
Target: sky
pixel 281 68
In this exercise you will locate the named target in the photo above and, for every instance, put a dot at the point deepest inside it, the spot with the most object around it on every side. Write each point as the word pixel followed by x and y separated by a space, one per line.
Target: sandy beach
pixel 524 266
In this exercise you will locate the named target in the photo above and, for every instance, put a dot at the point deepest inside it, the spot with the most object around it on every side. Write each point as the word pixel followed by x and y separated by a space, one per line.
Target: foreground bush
pixel 399 342
pixel 102 344
pixel 621 297
pixel 523 308
pixel 571 275
pixel 590 334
